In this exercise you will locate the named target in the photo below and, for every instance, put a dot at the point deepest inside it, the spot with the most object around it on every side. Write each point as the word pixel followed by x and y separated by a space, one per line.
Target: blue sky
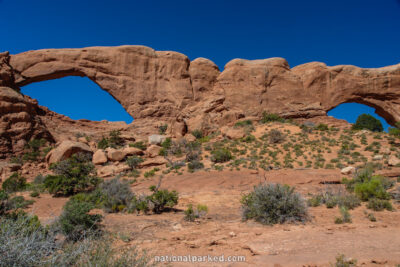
pixel 365 33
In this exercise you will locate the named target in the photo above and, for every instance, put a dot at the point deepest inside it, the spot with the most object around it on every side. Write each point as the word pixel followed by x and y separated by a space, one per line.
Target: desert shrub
pixel 133 161
pixel 193 213
pixel 18 202
pixel 34 153
pixel 73 175
pixel 379 204
pixel 99 251
pixel 24 242
pixel 114 140
pixel 395 131
pixel 34 194
pixel 345 216
pixel 274 203
pixel 162 128
pixel 244 123
pixel 322 127
pixel 75 220
pixel 371 189
pixel 197 133
pixel 332 199
pixel 150 173
pixel 139 144
pixel 116 195
pixel 195 165
pixel 3 202
pixel 14 183
pixel 276 136
pixel 221 155
pixel 270 117
pixel 368 122
pixel 103 143
pixel 342 261
pixel 162 199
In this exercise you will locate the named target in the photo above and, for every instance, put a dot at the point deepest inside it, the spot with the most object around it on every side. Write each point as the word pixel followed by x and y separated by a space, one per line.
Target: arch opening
pixel 351 111
pixel 78 98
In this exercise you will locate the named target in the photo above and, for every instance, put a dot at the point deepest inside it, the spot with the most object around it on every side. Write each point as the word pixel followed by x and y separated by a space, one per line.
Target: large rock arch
pixel 164 85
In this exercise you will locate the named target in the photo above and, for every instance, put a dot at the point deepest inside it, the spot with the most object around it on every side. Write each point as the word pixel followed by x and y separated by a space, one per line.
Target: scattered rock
pixel 234 133
pixel 393 161
pixel 153 162
pixel 386 150
pixel 232 234
pixel 65 150
pixel 99 157
pixel 377 157
pixel 130 151
pixel 156 139
pixel 153 151
pixel 190 137
pixel 348 170
pixel 115 154
pixel 177 227
pixel 112 170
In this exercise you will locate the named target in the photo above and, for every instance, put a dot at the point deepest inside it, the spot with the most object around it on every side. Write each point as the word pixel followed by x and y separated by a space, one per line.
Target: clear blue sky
pixel 365 33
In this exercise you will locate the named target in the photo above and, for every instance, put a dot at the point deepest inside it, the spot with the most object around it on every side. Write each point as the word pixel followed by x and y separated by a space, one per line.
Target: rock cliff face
pixel 166 86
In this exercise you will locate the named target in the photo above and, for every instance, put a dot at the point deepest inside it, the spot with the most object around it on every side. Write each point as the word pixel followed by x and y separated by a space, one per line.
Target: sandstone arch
pixel 166 86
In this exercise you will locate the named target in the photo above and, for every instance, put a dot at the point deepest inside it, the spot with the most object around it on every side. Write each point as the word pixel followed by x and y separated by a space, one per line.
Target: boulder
pixel 112 170
pixel 348 170
pixel 153 162
pixel 65 150
pixel 190 137
pixel 156 139
pixel 130 151
pixel 377 157
pixel 153 151
pixel 99 157
pixel 115 154
pixel 393 161
pixel 234 133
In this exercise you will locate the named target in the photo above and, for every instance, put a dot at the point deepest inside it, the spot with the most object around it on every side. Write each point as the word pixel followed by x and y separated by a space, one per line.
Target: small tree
pixel 368 122
pixel 72 176
pixel 75 220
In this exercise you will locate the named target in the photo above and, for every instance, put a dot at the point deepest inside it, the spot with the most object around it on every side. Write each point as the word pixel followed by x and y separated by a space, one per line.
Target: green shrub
pixel 191 214
pixel 34 153
pixel 221 155
pixel 345 216
pixel 342 261
pixel 162 128
pixel 197 133
pixel 322 127
pixel 19 202
pixel 244 123
pixel 368 122
pixel 274 203
pixel 379 204
pixel 270 117
pixel 371 189
pixel 73 175
pixel 24 242
pixel 276 136
pixel 195 165
pixel 133 161
pixel 139 144
pixel 162 199
pixel 75 220
pixel 116 195
pixel 14 183
pixel 114 140
pixel 103 143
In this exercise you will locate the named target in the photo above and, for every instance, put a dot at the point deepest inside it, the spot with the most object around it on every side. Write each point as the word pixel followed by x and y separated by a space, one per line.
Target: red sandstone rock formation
pixel 161 86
